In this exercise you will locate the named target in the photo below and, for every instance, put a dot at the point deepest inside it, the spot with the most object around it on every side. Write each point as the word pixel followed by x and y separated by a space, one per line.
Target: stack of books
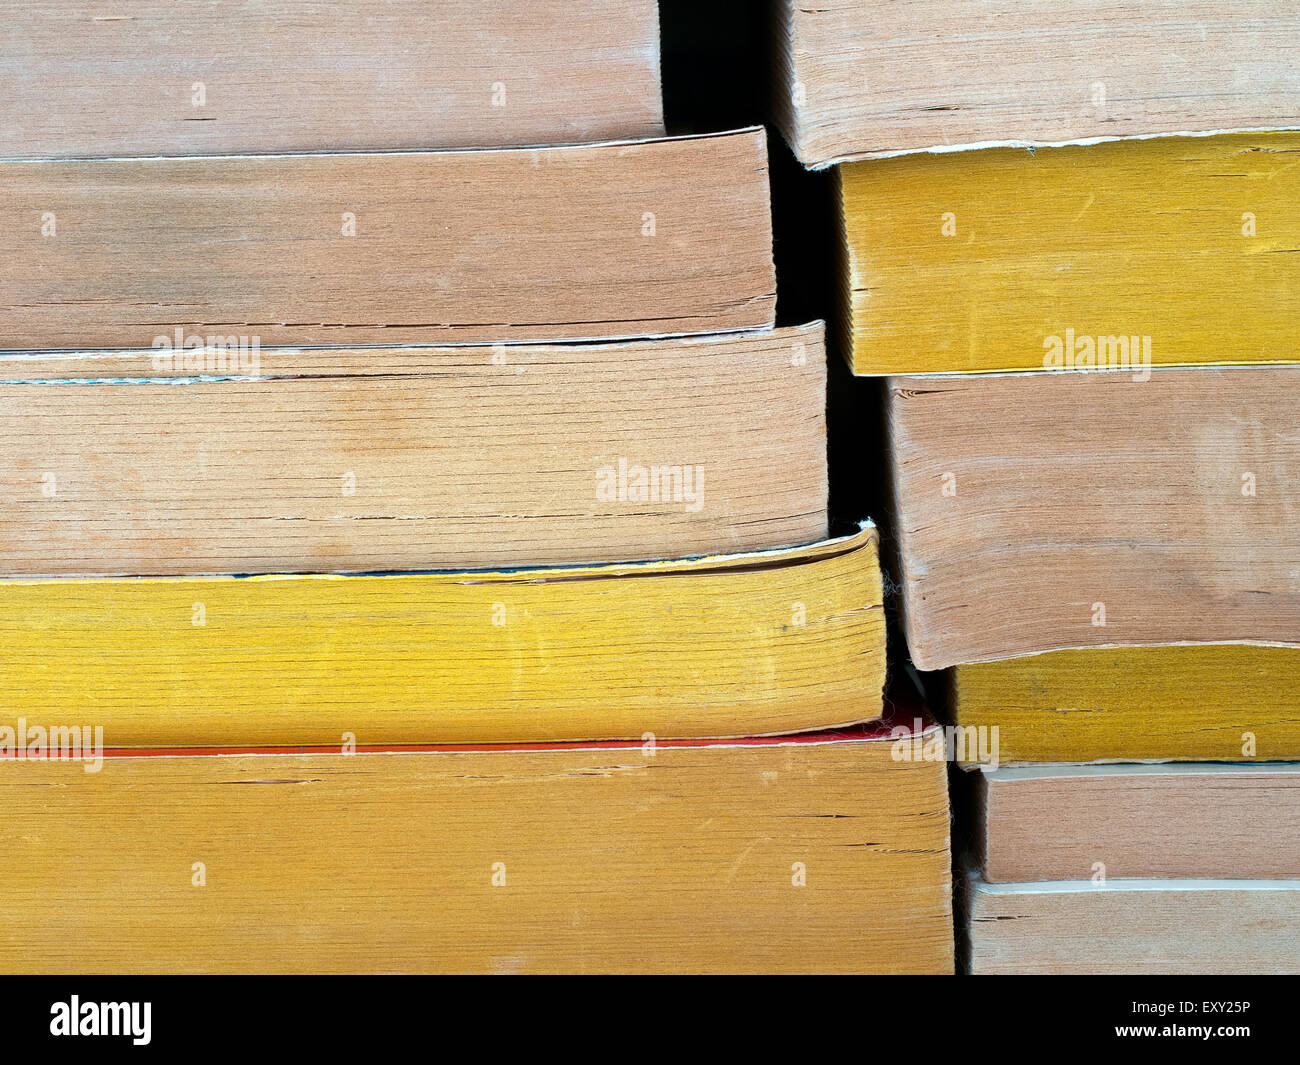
pixel 417 553
pixel 1070 243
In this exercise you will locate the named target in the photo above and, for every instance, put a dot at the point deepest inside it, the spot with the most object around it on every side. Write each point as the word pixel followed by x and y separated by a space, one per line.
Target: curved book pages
pixel 731 645
pixel 590 242
pixel 861 80
pixel 1167 252
pixel 1193 926
pixel 187 77
pixel 1045 511
pixel 1074 822
pixel 809 854
pixel 152 463
pixel 1211 703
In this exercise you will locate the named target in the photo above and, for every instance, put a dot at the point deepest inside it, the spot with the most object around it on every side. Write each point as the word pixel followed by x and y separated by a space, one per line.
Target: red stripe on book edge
pixel 882 729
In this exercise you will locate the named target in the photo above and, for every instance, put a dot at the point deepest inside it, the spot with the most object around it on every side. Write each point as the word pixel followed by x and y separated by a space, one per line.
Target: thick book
pixel 1207 703
pixel 191 77
pixel 1131 255
pixel 859 80
pixel 590 242
pixel 1114 822
pixel 813 854
pixel 1037 512
pixel 231 460
pixel 1146 926
pixel 731 645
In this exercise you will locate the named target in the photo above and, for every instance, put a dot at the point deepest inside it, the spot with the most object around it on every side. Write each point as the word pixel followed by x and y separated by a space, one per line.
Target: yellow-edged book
pixel 1165 252
pixel 808 855
pixel 1214 703
pixel 735 645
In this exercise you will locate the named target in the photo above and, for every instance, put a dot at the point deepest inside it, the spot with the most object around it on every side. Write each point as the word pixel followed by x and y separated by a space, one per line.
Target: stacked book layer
pixel 417 542
pixel 1069 242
